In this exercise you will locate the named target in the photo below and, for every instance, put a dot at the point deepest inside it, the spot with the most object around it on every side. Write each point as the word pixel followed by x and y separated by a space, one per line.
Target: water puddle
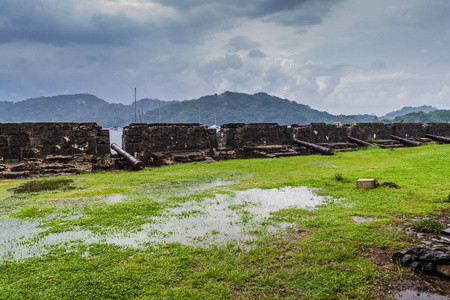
pixel 222 219
pixel 116 198
pixel 231 217
pixel 416 295
pixel 19 239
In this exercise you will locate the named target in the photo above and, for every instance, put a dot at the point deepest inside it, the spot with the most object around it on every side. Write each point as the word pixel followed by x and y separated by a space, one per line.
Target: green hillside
pixel 231 107
pixel 75 108
pixel 423 117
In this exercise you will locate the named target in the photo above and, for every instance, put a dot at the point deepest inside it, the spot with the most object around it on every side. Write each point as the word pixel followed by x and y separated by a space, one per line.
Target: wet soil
pixel 404 283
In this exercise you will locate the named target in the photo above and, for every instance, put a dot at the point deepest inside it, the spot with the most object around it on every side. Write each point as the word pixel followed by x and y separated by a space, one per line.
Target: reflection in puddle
pixel 222 219
pixel 18 239
pixel 116 198
pixel 226 218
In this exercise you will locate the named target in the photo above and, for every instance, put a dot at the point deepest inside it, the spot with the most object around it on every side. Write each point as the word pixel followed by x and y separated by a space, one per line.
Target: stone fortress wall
pixel 58 146
pixel 87 144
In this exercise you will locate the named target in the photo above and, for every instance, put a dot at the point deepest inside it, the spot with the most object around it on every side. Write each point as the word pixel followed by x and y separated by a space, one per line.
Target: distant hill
pixel 408 109
pixel 422 117
pixel 231 107
pixel 75 108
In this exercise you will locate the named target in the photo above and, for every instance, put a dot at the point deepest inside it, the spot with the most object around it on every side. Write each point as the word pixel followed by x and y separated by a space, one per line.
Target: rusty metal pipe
pixel 317 148
pixel 360 142
pixel 406 141
pixel 438 138
pixel 133 162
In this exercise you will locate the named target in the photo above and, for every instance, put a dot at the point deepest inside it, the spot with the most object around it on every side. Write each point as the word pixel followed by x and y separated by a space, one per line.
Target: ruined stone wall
pixel 442 129
pixel 369 131
pixel 141 140
pixel 408 130
pixel 320 133
pixel 19 141
pixel 238 135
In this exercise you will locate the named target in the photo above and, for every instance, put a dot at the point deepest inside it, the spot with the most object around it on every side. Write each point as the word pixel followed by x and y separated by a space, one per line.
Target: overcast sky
pixel 341 56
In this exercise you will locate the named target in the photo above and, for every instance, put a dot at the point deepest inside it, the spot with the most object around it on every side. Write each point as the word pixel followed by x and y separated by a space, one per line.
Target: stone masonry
pixel 155 144
pixel 40 142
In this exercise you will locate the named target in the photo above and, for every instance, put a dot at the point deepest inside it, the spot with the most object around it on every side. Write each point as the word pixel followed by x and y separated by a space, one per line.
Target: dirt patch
pixel 398 279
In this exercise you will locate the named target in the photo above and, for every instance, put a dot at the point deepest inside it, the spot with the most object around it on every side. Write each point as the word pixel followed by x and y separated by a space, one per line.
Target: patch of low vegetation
pixel 321 253
pixel 340 178
pixel 428 225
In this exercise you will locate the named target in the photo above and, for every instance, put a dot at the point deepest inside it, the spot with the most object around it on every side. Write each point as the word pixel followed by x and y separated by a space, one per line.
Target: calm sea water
pixel 115 136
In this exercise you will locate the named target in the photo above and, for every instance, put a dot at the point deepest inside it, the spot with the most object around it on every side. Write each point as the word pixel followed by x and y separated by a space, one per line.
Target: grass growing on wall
pixel 320 256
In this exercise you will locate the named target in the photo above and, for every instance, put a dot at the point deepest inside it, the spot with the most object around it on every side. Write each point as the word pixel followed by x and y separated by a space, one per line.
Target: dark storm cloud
pixel 312 10
pixel 57 22
pixel 61 22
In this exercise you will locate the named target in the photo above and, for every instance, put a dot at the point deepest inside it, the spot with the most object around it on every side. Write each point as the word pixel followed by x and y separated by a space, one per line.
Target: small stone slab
pixel 369 183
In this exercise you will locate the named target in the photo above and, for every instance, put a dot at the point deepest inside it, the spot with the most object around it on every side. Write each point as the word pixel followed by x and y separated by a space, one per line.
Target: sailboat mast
pixel 135 107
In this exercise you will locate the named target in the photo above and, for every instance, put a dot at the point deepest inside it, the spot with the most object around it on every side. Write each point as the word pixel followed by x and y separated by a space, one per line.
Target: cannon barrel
pixel 317 148
pixel 405 141
pixel 438 138
pixel 360 142
pixel 133 162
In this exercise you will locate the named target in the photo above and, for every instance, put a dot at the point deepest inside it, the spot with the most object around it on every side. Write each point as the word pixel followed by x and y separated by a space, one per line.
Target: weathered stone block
pixel 9 128
pixel 11 153
pixel 369 183
pixel 20 140
pixel 103 149
pixel 3 141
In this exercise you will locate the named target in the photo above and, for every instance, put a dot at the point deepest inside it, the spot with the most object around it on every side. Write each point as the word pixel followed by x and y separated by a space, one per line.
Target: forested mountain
pixel 231 107
pixel 408 109
pixel 422 117
pixel 75 108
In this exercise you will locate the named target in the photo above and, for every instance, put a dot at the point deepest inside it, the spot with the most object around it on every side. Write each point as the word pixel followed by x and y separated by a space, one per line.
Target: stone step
pixel 345 150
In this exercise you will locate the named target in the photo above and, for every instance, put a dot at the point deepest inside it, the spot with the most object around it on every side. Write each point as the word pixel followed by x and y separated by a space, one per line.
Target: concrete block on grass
pixel 369 183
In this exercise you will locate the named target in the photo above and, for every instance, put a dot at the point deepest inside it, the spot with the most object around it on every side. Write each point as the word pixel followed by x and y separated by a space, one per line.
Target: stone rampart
pixel 320 133
pixel 238 135
pixel 161 143
pixel 370 131
pixel 408 130
pixel 19 141
pixel 149 141
pixel 441 129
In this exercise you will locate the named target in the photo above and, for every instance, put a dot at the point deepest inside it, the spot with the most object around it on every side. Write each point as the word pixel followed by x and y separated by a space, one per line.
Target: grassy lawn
pixel 101 236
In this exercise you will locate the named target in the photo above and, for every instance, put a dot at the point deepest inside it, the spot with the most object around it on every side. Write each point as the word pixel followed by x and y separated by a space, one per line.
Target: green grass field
pixel 100 236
